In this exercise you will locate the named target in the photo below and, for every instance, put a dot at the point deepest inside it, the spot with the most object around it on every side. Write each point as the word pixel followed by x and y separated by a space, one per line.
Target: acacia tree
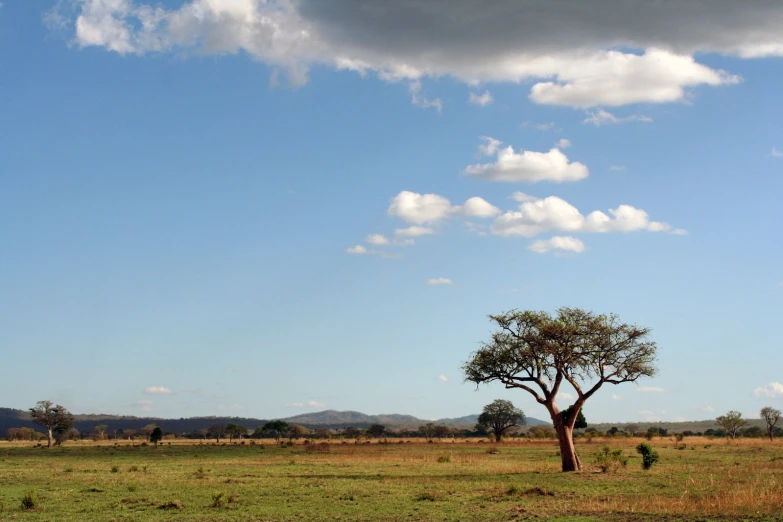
pixel 217 431
pixel 537 352
pixel 731 422
pixel 771 416
pixel 52 417
pixel 376 430
pixel 500 416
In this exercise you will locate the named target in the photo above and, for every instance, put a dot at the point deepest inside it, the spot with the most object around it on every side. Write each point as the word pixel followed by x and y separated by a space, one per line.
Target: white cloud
pixel 544 127
pixel 602 117
pixel 157 390
pixel 558 244
pixel 563 143
pixel 617 168
pixel 305 404
pixel 616 397
pixel 650 389
pixel 432 208
pixel 413 231
pixel 377 239
pixel 521 197
pixel 564 396
pixel 483 99
pixel 442 378
pixel 418 99
pixel 772 390
pixel 315 404
pixel 439 281
pixel 576 65
pixel 419 208
pixel 357 250
pixel 477 207
pixel 537 216
pixel 706 409
pixel 525 166
pixel 776 153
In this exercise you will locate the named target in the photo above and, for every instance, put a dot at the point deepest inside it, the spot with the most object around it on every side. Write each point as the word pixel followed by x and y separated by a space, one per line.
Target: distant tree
pixel 580 423
pixel 428 430
pixel 295 431
pixel 156 436
pixel 72 434
pixel 52 418
pixel 322 433
pixel 630 429
pixel 148 429
pixel 129 433
pixel 731 422
pixel 217 431
pixel 536 352
pixel 442 431
pixel 771 417
pixel 235 431
pixel 276 428
pixel 753 432
pixel 376 430
pixel 100 430
pixel 351 433
pixel 203 432
pixel 499 416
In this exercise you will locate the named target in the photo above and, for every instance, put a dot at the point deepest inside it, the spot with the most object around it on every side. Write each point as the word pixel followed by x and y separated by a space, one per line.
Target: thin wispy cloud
pixel 157 390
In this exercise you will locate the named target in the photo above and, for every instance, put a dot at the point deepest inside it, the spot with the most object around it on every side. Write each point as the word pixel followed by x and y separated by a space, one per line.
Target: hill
pixel 471 420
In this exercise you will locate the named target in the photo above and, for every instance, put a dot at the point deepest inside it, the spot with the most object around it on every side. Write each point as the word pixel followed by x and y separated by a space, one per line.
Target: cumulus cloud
pixel 157 390
pixel 525 166
pixel 432 208
pixel 563 143
pixel 616 397
pixel 558 244
pixel 577 64
pixel 377 239
pixel 442 378
pixel 357 250
pixel 564 396
pixel 650 389
pixel 483 99
pixel 536 216
pixel 602 117
pixel 439 281
pixel 772 390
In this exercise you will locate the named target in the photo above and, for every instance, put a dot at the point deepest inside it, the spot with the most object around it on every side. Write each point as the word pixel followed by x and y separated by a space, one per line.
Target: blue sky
pixel 184 185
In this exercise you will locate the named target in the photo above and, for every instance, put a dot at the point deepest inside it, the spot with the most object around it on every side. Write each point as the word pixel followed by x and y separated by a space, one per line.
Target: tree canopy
pixel 771 417
pixel 538 352
pixel 52 417
pixel 731 422
pixel 500 416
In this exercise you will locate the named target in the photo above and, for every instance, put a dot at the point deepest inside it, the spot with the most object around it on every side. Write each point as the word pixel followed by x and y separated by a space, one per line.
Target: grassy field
pixel 708 480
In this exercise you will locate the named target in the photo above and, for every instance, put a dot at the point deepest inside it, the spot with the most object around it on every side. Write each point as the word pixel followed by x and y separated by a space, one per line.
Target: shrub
pixel 649 457
pixel 30 500
pixel 610 461
pixel 68 469
pixel 115 469
pixel 132 487
pixel 133 469
pixel 219 499
pixel 444 458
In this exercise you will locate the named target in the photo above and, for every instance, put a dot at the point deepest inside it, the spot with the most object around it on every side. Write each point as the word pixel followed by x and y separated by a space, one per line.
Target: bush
pixel 115 469
pixel 444 458
pixel 610 461
pixel 133 469
pixel 649 457
pixel 219 499
pixel 30 500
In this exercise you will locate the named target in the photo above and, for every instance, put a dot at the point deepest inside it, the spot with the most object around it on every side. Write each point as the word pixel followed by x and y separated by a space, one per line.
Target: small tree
pixel 536 352
pixel 428 430
pixel 235 430
pixel 277 428
pixel 376 430
pixel 129 433
pixel 499 416
pixel 156 436
pixel 147 430
pixel 351 433
pixel 295 431
pixel 771 416
pixel 100 430
pixel 217 431
pixel 53 418
pixel 630 429
pixel 731 422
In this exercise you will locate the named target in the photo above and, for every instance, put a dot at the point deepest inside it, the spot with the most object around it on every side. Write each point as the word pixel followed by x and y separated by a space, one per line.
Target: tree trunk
pixel 565 436
pixel 497 437
pixel 49 430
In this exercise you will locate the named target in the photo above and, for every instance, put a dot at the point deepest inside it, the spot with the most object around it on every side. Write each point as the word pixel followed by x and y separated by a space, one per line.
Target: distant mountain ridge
pixel 334 419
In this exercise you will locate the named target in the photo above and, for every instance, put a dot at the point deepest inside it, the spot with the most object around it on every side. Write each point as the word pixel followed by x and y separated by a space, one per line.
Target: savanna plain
pixel 698 479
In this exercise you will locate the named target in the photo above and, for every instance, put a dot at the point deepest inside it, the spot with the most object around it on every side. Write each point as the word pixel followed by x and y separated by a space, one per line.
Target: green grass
pixel 97 482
